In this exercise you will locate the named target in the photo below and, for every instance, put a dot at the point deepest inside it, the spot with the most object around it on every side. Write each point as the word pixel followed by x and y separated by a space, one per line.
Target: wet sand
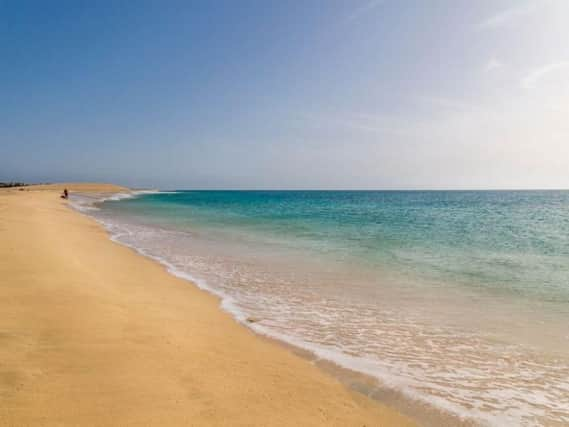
pixel 92 333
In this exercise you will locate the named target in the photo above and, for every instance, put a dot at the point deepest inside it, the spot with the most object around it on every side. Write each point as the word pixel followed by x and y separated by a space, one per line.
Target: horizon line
pixel 359 189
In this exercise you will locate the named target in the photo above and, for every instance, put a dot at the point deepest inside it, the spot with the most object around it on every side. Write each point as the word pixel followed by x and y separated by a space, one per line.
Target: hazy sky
pixel 286 94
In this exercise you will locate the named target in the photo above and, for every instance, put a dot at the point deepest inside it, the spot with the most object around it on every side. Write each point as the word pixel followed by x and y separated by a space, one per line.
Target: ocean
pixel 458 300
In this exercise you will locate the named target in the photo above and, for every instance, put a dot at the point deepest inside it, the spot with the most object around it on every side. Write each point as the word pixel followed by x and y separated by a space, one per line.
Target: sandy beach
pixel 92 333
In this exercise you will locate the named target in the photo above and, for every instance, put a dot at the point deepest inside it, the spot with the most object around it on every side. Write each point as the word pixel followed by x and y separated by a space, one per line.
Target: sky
pixel 361 94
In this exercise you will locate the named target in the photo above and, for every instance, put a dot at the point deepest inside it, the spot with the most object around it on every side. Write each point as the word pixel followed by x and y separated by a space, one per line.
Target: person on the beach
pixel 65 194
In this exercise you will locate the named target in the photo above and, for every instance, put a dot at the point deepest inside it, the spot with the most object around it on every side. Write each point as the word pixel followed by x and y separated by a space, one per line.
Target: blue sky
pixel 286 94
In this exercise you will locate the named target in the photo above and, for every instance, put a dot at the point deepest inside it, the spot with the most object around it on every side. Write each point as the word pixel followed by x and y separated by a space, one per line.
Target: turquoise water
pixel 508 241
pixel 458 299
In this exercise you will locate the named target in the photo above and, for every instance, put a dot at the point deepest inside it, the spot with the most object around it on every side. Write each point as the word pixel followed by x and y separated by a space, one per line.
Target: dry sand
pixel 93 334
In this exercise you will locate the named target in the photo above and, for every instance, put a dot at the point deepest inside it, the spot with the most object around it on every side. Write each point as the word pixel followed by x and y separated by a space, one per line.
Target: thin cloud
pixel 364 8
pixel 375 124
pixel 506 17
pixel 442 103
pixel 492 65
pixel 533 77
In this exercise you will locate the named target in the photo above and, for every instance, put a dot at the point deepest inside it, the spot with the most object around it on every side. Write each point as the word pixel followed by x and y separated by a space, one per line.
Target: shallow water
pixel 459 299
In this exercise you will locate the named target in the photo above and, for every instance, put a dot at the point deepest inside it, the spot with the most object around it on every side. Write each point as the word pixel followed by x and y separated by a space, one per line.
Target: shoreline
pixel 94 332
pixel 357 381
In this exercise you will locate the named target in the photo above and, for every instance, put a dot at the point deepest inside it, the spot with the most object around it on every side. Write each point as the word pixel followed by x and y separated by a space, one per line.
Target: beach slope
pixel 92 333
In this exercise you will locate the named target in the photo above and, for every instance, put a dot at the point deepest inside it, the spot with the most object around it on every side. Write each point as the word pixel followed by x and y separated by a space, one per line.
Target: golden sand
pixel 93 334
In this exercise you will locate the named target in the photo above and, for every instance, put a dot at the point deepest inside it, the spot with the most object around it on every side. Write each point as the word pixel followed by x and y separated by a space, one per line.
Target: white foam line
pixel 86 202
pixel 132 195
pixel 227 302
